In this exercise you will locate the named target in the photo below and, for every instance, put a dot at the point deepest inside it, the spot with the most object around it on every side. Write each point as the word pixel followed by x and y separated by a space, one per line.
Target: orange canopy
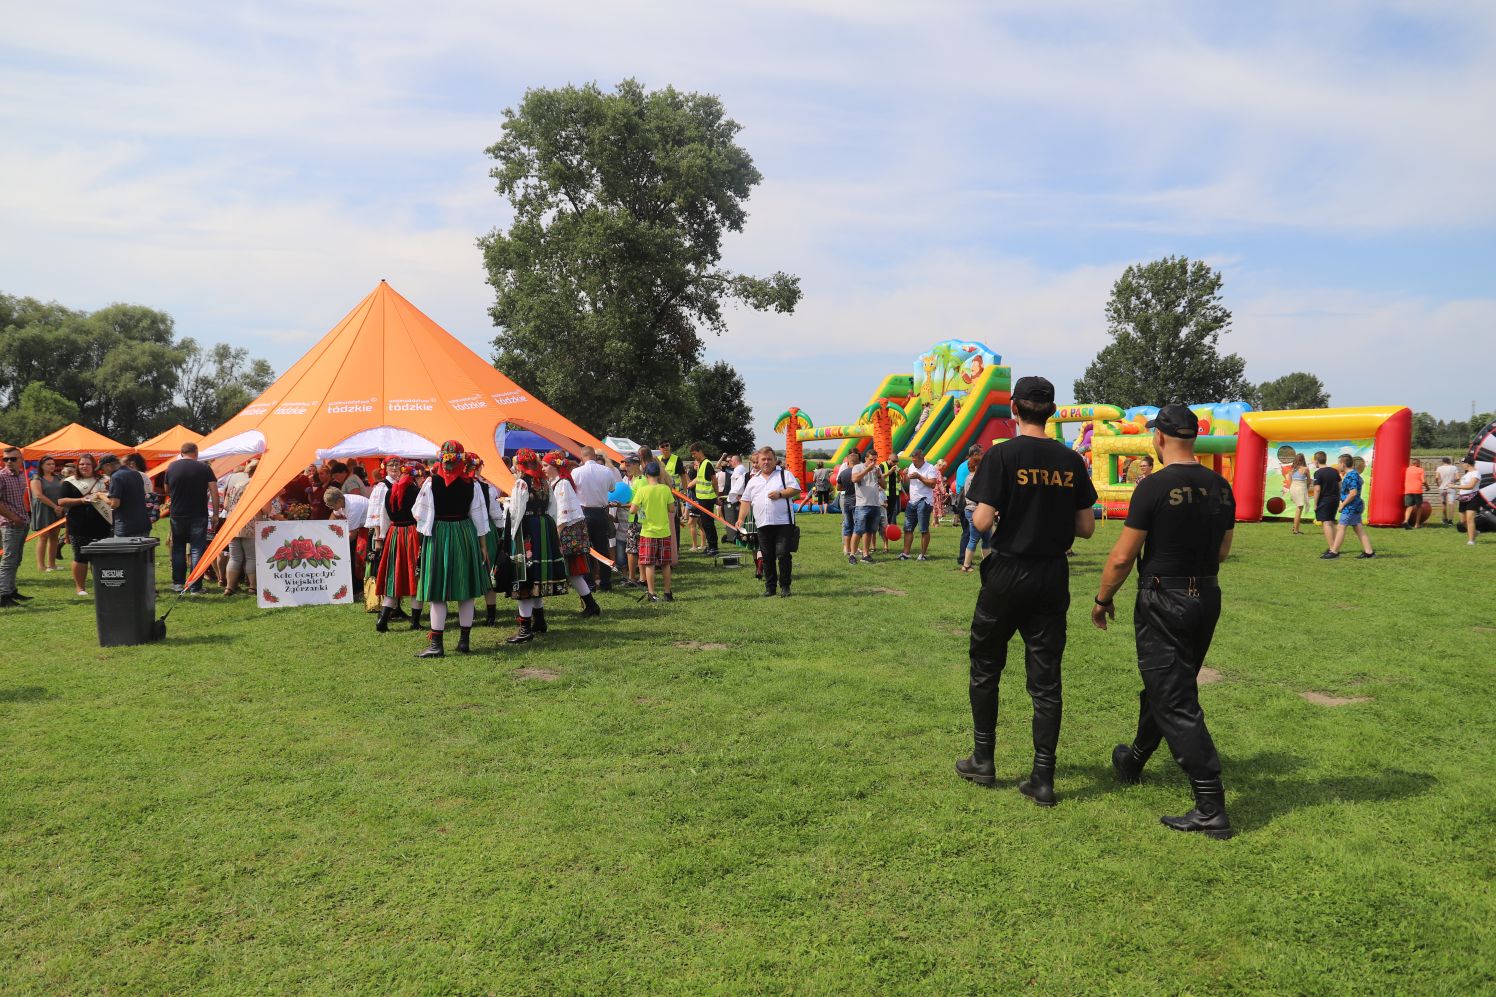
pixel 385 371
pixel 168 444
pixel 73 440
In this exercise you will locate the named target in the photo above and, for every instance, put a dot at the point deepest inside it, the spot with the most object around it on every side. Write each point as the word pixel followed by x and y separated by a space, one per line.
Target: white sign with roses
pixel 302 563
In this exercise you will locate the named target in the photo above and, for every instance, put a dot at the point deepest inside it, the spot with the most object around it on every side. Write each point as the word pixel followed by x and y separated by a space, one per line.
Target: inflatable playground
pixel 958 395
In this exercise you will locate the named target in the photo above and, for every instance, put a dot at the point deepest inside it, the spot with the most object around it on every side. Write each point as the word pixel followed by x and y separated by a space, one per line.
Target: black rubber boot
pixel 538 621
pixel 434 647
pixel 1039 786
pixel 463 647
pixel 415 618
pixel 1209 816
pixel 1128 763
pixel 590 606
pixel 979 768
pixel 524 635
pixel 491 617
pixel 382 625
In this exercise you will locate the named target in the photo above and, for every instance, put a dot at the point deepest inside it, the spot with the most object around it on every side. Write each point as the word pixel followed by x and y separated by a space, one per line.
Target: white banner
pixel 302 563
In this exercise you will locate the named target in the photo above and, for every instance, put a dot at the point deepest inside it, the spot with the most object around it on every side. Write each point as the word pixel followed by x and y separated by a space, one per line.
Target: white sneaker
pixel 82 593
pixel 922 558
pixel 1469 543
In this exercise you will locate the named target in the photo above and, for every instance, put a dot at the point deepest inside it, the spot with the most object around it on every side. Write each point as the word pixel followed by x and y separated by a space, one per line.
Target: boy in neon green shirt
pixel 652 508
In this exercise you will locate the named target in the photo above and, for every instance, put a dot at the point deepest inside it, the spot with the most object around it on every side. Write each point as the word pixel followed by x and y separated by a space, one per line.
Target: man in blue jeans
pixel 923 477
pixel 193 489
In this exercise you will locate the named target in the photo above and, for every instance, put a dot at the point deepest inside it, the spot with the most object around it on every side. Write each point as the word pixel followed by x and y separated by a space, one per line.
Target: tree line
pixel 120 370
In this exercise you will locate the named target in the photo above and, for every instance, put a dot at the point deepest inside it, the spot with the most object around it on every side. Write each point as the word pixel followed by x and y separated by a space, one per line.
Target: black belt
pixel 450 519
pixel 402 522
pixel 1188 583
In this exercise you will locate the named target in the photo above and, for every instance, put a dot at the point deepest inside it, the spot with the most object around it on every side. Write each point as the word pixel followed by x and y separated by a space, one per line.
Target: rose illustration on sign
pixel 301 551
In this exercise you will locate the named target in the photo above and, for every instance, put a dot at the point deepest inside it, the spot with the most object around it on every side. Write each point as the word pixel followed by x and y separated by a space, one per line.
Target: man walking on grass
pixel 1037 491
pixel 13 523
pixel 923 477
pixel 1179 527
pixel 1325 487
pixel 1350 509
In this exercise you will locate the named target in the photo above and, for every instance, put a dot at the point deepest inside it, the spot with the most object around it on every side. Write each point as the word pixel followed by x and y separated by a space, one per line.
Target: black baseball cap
pixel 1176 421
pixel 108 458
pixel 1033 389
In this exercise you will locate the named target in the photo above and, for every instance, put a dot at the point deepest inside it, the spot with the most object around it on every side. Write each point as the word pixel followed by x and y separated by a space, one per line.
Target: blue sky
pixel 932 170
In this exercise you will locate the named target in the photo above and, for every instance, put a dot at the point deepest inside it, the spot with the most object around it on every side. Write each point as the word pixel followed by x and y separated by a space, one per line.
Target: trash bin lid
pixel 120 545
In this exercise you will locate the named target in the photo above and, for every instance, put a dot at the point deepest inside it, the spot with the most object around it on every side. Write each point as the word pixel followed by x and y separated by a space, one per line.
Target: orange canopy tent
pixel 168 444
pixel 385 380
pixel 73 440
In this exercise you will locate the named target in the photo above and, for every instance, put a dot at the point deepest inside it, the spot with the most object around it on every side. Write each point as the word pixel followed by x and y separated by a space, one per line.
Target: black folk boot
pixel 524 634
pixel 1039 786
pixel 382 625
pixel 491 617
pixel 415 616
pixel 979 768
pixel 590 606
pixel 463 647
pixel 1209 816
pixel 537 621
pixel 1128 762
pixel 434 647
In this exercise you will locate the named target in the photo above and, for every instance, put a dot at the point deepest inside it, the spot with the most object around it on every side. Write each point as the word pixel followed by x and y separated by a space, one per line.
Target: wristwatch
pixel 1106 604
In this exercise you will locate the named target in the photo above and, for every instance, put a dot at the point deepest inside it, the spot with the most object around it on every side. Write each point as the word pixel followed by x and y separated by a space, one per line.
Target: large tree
pixel 612 265
pixel 1165 319
pixel 219 381
pixel 38 411
pixel 119 367
pixel 720 416
pixel 1291 391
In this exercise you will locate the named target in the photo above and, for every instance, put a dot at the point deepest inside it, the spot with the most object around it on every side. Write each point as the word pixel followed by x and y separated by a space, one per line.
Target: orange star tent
pixel 168 444
pixel 73 440
pixel 386 380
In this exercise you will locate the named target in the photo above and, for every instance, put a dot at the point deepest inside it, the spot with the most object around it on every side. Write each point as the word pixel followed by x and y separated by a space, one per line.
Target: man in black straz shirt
pixel 1043 494
pixel 1179 528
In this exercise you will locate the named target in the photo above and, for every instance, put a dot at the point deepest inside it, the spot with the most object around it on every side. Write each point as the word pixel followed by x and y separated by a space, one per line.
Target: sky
pixel 932 170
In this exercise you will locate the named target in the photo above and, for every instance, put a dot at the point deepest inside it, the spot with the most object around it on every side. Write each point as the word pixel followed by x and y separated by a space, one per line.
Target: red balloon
pixel 892 532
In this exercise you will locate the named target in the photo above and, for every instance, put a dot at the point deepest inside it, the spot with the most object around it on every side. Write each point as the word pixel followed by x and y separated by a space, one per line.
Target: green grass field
pixel 286 801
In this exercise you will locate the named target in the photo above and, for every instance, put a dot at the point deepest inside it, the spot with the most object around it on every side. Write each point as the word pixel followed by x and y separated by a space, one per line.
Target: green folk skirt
pixel 451 564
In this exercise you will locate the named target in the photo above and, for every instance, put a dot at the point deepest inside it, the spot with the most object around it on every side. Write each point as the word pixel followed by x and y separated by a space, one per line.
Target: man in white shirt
pixel 770 494
pixel 593 481
pixel 867 491
pixel 355 509
pixel 1447 474
pixel 1469 498
pixel 737 480
pixel 922 477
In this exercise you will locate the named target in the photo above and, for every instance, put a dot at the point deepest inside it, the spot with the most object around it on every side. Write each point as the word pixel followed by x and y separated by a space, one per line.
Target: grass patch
pixel 288 801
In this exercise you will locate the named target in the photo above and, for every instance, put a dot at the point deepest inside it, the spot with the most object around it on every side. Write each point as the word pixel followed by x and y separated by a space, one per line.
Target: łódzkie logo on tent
pixel 301 551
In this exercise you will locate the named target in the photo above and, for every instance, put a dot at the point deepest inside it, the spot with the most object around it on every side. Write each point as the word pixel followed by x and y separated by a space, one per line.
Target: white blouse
pixel 568 506
pixel 425 510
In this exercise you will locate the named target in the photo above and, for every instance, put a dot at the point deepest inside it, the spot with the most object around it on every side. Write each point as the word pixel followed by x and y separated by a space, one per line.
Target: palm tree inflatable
pixel 790 423
pixel 884 416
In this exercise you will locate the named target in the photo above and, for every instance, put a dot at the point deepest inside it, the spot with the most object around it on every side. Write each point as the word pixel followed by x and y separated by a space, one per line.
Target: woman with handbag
pixel 536 566
pixel 571 528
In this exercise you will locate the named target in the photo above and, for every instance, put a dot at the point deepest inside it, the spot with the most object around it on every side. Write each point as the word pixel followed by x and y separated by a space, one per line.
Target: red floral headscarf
pixel 405 482
pixel 559 461
pixel 454 455
pixel 527 463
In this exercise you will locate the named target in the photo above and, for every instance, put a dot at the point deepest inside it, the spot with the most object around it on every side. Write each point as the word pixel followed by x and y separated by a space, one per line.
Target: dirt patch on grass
pixel 696 645
pixel 1484 630
pixel 1209 676
pixel 1320 699
pixel 887 591
pixel 537 674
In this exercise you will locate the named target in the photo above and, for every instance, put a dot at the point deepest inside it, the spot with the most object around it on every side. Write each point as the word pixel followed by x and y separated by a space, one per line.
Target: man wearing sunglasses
pixel 12 524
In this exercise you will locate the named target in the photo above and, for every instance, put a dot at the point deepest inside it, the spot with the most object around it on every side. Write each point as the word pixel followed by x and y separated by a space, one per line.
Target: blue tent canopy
pixel 520 439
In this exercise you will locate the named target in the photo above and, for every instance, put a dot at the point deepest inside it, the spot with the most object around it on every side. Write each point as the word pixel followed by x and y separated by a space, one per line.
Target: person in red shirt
pixel 1412 495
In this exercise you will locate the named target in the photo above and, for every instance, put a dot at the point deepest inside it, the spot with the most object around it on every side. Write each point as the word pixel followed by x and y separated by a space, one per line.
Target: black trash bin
pixel 124 570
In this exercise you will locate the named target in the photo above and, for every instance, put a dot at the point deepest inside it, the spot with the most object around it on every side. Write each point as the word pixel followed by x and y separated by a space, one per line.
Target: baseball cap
pixel 632 458
pixel 1176 421
pixel 652 469
pixel 108 458
pixel 1033 389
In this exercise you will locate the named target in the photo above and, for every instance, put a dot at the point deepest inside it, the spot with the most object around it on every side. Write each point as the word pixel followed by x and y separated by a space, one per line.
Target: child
pixel 652 503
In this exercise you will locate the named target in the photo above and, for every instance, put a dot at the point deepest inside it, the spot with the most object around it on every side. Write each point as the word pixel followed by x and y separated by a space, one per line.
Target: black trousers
pixel 600 534
pixel 774 544
pixel 1174 630
pixel 1029 597
pixel 708 524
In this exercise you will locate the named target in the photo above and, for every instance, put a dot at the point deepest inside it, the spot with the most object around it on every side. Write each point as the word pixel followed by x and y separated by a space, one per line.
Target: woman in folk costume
pixel 571 526
pixel 400 549
pixel 494 541
pixel 452 516
pixel 536 567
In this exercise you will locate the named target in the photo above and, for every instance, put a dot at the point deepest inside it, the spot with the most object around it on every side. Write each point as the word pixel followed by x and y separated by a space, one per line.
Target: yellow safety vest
pixel 706 488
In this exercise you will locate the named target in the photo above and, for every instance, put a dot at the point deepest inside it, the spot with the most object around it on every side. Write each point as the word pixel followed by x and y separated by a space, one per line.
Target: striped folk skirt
pixel 535 556
pixel 397 563
pixel 452 563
